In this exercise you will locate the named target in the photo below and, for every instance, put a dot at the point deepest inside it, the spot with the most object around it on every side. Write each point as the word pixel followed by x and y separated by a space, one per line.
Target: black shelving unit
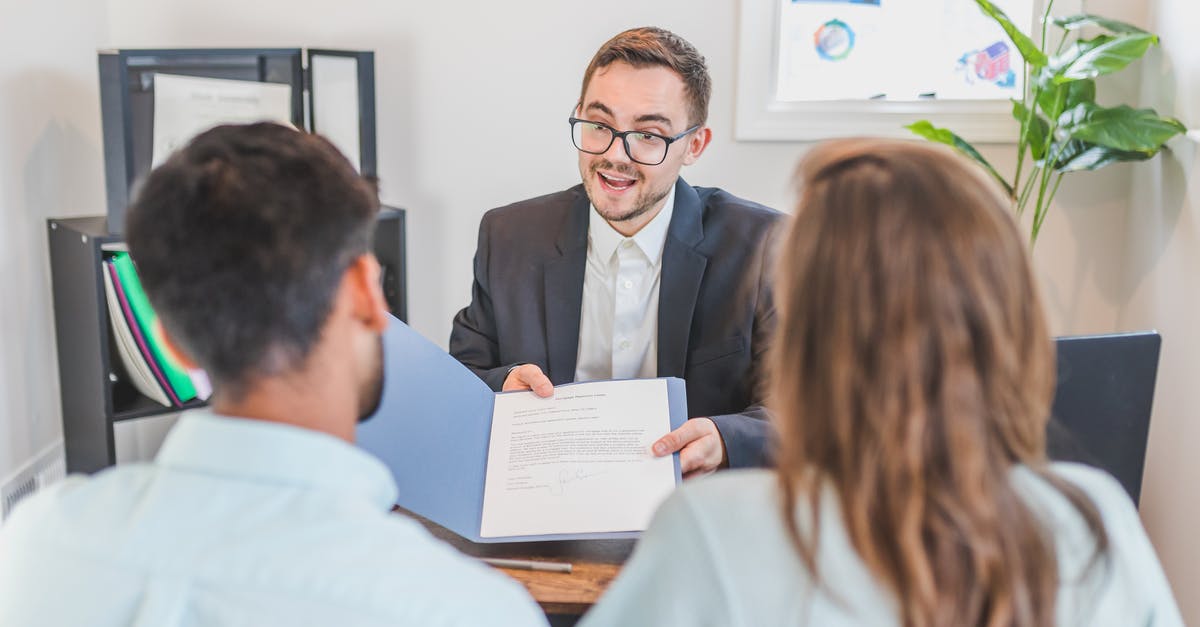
pixel 94 389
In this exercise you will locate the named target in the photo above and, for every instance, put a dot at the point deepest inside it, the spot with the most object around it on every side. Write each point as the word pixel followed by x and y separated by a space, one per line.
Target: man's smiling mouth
pixel 615 182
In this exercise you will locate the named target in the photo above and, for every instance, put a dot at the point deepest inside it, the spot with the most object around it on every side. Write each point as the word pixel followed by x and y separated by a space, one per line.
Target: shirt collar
pixel 603 239
pixel 268 452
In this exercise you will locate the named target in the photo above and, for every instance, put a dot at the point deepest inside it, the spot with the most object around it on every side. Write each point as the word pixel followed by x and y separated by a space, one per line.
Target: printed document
pixel 185 106
pixel 578 462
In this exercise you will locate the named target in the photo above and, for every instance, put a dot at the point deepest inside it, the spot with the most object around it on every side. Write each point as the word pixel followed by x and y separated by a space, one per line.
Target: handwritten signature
pixel 567 476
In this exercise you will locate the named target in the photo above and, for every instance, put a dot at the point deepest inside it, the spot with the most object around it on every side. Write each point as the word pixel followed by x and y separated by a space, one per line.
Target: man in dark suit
pixel 634 273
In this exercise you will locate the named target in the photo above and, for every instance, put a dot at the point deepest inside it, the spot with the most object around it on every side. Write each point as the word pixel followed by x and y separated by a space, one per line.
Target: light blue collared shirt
pixel 240 522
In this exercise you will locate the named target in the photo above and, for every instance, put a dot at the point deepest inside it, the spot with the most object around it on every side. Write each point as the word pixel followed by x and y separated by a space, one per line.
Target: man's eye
pixel 646 137
pixel 595 128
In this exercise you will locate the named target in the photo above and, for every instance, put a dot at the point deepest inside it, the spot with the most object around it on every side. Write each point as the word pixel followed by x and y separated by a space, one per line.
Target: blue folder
pixel 432 430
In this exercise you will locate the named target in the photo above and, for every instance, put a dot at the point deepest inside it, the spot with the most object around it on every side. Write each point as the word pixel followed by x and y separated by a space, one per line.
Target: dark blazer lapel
pixel 682 271
pixel 563 295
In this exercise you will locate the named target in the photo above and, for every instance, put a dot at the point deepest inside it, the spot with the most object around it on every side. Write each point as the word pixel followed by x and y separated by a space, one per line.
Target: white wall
pixel 472 106
pixel 1162 272
pixel 473 99
pixel 51 165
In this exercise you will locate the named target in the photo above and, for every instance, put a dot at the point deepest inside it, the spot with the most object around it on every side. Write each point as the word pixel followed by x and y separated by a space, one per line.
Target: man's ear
pixel 367 301
pixel 173 349
pixel 696 144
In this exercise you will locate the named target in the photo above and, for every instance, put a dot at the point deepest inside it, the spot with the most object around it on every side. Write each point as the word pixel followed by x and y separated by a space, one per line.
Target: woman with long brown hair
pixel 911 378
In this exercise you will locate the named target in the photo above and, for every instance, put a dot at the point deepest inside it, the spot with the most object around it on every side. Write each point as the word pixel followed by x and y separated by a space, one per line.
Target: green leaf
pixel 1079 155
pixel 1035 132
pixel 1120 128
pixel 1076 22
pixel 1079 92
pixel 927 130
pixel 1030 51
pixel 1089 58
pixel 1074 93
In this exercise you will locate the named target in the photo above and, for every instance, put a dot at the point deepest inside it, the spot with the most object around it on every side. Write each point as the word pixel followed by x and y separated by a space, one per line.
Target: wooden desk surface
pixel 594 564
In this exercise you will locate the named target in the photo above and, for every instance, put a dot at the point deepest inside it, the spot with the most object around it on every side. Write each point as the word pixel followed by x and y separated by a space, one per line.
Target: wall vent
pixel 45 468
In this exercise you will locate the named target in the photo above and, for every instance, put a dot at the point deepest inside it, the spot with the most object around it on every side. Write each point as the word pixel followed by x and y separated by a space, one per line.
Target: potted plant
pixel 1063 129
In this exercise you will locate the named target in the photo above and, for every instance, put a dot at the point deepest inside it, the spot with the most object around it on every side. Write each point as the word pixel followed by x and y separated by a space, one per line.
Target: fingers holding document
pixel 701 449
pixel 528 377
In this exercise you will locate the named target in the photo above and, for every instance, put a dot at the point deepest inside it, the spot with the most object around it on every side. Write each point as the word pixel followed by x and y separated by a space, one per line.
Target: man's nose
pixel 617 153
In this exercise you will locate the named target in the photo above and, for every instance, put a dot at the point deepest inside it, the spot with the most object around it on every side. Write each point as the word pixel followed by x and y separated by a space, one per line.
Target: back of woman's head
pixel 912 368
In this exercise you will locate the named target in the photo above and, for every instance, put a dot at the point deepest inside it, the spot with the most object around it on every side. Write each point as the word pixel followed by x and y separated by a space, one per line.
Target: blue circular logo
pixel 834 40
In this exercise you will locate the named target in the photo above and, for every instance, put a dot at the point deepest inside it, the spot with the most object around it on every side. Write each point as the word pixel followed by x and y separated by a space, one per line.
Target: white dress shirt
pixel 618 322
pixel 718 554
pixel 240 522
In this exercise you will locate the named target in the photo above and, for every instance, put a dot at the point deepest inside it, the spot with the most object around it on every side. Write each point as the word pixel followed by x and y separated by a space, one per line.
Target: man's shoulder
pixel 391 553
pixel 79 498
pixel 732 221
pixel 718 200
pixel 352 557
pixel 538 207
pixel 535 224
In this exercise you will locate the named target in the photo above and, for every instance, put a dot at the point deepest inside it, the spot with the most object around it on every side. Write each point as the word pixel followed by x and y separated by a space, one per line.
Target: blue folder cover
pixel 432 429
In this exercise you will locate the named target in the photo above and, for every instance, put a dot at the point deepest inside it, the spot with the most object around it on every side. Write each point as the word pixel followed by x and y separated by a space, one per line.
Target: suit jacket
pixel 715 308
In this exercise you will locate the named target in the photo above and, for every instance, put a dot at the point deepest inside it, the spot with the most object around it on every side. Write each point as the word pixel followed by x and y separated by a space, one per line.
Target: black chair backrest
pixel 1101 414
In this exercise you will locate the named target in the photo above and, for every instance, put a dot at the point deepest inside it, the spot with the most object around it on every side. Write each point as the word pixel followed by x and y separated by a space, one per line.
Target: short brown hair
pixel 651 46
pixel 241 240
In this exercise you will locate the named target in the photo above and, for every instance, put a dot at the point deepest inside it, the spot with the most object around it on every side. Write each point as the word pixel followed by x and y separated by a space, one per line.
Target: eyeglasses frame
pixel 625 142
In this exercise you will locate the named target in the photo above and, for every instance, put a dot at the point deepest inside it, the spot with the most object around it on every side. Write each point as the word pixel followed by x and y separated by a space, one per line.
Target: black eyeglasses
pixel 642 147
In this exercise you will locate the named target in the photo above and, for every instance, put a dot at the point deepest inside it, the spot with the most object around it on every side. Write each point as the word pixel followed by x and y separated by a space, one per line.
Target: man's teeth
pixel 616 181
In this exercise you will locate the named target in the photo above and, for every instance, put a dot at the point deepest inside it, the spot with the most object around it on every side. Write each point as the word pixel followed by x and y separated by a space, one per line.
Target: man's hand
pixel 528 377
pixel 701 450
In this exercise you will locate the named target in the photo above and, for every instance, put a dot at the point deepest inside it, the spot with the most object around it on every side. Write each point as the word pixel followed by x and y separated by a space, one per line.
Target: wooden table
pixel 594 564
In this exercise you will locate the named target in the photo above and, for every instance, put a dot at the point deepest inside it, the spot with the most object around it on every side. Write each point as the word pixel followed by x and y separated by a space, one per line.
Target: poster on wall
pixel 896 50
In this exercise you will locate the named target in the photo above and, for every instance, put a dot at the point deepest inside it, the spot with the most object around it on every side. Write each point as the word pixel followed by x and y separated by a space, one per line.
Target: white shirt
pixel 240 522
pixel 717 554
pixel 618 322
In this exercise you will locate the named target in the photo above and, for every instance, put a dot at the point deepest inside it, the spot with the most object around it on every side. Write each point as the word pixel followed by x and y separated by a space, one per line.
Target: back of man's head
pixel 241 240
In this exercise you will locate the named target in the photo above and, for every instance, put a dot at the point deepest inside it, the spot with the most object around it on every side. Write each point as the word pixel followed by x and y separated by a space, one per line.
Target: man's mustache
pixel 623 170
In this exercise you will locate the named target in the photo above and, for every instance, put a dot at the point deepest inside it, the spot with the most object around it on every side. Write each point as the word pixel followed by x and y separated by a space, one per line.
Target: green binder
pixel 176 375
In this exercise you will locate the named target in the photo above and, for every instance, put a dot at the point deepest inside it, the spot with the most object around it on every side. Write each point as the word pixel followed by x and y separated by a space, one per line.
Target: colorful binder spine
pixel 145 318
pixel 139 338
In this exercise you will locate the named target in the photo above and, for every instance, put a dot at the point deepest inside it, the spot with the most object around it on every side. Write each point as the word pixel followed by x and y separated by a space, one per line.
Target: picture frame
pixel 761 116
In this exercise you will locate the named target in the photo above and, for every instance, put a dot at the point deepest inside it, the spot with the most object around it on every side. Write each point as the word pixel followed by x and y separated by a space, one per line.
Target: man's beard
pixel 370 393
pixel 645 201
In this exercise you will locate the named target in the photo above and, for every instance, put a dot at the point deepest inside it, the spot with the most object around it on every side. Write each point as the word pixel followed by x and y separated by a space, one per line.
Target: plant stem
pixel 1029 99
pixel 1045 22
pixel 1062 43
pixel 1039 210
pixel 1023 142
pixel 1044 171
pixel 1043 201
pixel 1021 146
pixel 1024 197
pixel 1037 223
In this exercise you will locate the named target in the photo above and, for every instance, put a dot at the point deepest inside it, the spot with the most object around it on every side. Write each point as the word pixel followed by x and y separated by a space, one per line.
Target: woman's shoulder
pixel 1095 482
pixel 1101 489
pixel 1062 515
pixel 731 503
pixel 1126 586
pixel 731 489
